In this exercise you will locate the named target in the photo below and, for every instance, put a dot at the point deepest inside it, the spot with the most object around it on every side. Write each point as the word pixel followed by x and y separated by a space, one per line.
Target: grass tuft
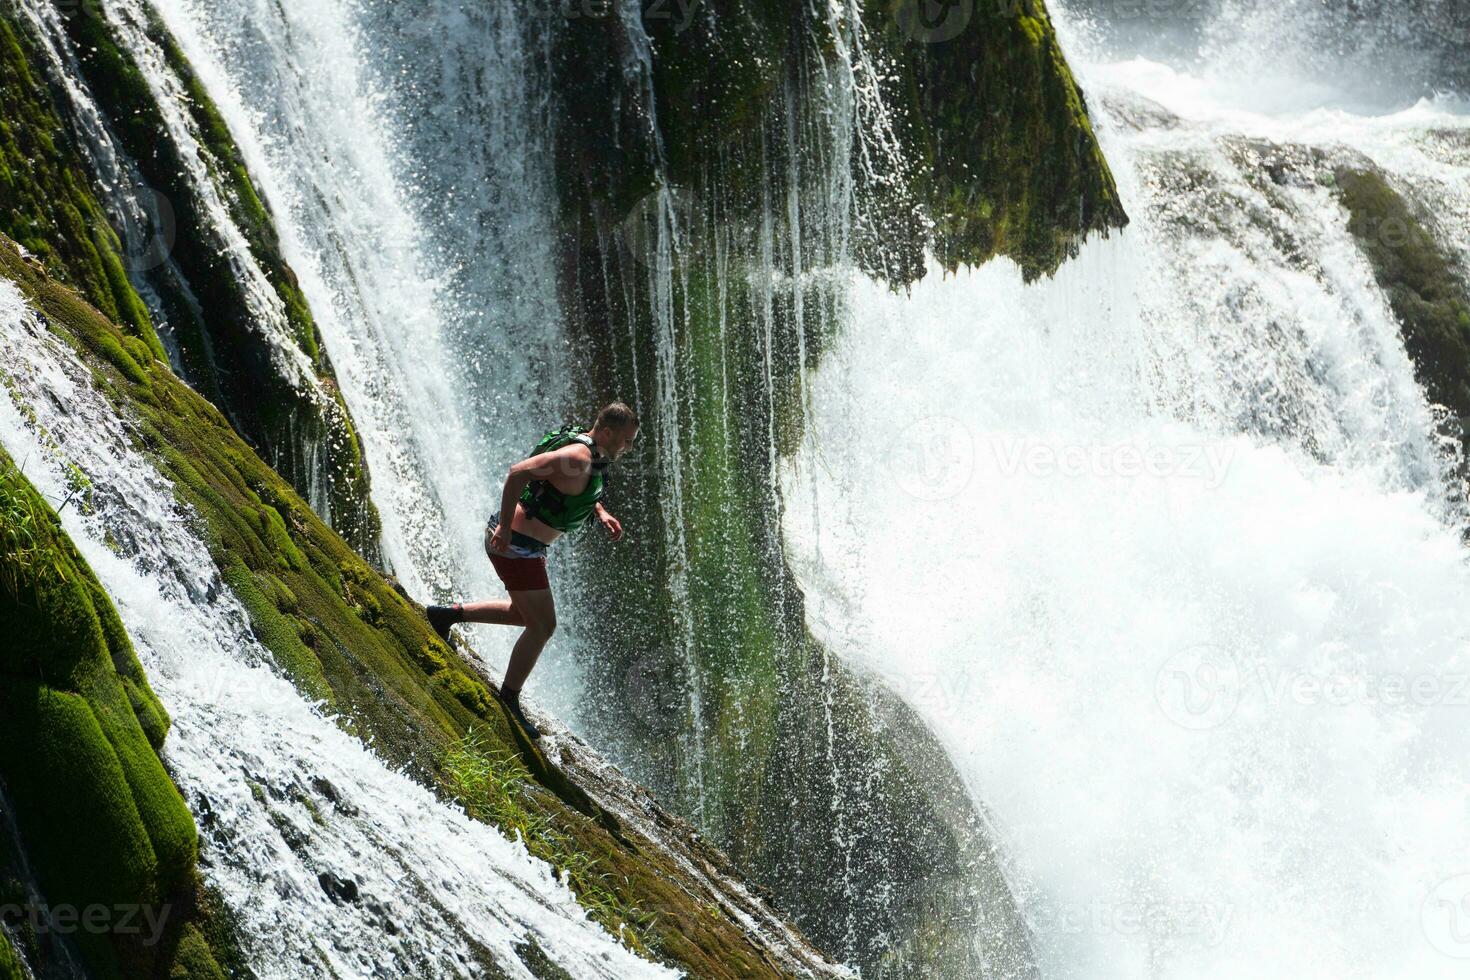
pixel 495 787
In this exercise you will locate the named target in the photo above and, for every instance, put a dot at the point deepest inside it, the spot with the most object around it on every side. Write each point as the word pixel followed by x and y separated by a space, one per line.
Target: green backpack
pixel 546 503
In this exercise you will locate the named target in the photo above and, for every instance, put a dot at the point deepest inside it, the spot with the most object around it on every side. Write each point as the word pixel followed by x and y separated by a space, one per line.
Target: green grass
pixel 29 559
pixel 494 786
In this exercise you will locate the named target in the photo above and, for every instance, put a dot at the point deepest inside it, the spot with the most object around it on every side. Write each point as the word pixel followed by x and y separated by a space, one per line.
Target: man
pixel 556 489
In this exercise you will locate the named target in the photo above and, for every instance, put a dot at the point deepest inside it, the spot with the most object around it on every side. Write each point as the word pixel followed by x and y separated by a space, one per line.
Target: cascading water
pixel 1167 550
pixel 435 315
pixel 333 864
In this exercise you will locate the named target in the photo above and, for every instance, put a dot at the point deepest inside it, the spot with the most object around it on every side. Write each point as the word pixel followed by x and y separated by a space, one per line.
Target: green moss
pixel 279 631
pixel 47 201
pixel 998 152
pixel 1426 290
pixel 80 729
pixel 494 786
pixel 220 348
pixel 11 967
pixel 194 960
pixel 390 677
pixel 1009 164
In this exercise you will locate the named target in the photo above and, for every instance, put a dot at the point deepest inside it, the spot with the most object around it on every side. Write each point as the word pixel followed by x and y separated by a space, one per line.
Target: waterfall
pixel 1166 549
pixel 332 863
pixel 414 214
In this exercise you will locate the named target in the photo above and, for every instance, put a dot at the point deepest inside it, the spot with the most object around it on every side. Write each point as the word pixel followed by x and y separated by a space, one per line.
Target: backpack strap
pixel 599 461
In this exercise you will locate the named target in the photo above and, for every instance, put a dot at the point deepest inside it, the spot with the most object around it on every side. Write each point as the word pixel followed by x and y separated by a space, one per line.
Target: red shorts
pixel 521 574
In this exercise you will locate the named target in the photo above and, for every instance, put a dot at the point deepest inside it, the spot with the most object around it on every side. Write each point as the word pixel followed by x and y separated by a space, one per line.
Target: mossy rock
pixel 996 152
pixel 11 966
pixel 1426 289
pixel 1009 162
pixel 47 199
pixel 752 729
pixel 102 823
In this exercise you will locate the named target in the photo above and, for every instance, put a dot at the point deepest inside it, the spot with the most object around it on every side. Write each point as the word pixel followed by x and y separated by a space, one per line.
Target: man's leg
pixel 538 610
pixel 499 611
pixel 443 618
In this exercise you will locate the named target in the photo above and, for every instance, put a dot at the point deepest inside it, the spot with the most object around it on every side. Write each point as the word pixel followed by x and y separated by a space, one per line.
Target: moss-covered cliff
pixel 973 138
pixel 47 202
pixel 105 833
pixel 59 207
pixel 1007 163
pixel 348 636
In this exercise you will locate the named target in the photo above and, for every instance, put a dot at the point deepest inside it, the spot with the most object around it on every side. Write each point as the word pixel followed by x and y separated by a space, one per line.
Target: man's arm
pixel 613 525
pixel 568 459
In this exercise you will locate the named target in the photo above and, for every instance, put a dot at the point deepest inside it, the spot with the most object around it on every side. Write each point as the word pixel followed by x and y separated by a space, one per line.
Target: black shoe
pixel 443 617
pixel 512 702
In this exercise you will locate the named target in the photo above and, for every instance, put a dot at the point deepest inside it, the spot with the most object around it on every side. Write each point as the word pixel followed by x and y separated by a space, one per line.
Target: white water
pixel 430 880
pixel 1161 549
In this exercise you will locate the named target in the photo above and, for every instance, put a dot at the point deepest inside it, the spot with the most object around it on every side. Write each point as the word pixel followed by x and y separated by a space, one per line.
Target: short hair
pixel 616 416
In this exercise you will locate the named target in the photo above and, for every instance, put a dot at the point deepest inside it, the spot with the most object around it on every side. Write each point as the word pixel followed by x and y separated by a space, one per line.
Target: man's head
pixel 615 429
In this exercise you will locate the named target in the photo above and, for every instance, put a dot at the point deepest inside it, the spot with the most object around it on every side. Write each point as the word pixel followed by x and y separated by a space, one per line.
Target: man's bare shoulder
pixel 574 459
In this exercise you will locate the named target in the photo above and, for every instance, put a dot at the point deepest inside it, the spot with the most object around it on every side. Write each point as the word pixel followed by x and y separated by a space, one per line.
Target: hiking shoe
pixel 443 617
pixel 512 702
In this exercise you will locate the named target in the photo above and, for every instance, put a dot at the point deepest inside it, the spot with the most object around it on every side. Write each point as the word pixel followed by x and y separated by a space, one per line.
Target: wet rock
pixel 339 890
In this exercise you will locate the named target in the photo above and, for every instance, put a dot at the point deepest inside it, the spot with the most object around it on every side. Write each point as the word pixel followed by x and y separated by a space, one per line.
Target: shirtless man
pixel 555 490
